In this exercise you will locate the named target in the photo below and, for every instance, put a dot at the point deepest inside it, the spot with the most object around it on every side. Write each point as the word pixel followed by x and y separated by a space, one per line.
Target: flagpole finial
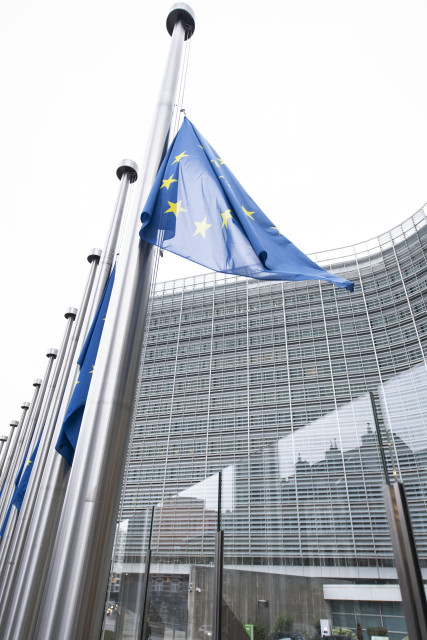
pixel 181 11
pixel 25 405
pixel 95 254
pixel 52 353
pixel 13 423
pixel 71 312
pixel 130 167
pixel 3 438
pixel 37 382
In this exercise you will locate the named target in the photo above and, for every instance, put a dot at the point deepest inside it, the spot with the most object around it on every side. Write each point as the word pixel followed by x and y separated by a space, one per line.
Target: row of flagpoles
pixel 58 510
pixel 62 476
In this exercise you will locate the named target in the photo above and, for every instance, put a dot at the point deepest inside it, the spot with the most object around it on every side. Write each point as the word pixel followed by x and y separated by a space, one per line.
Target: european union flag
pixel 198 210
pixel 21 484
pixel 68 436
pixel 21 468
pixel 19 494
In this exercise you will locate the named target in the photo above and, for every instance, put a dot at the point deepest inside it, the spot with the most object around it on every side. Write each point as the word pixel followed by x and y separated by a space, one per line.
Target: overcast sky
pixel 318 108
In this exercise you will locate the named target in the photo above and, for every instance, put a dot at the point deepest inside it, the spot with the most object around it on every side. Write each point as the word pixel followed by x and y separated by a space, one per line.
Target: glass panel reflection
pixel 306 539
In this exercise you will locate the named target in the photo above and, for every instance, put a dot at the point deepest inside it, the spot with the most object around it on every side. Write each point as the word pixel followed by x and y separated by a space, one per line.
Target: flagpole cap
pixel 52 353
pixel 37 382
pixel 13 423
pixel 128 167
pixel 183 12
pixel 95 254
pixel 71 312
pixel 25 405
pixel 3 438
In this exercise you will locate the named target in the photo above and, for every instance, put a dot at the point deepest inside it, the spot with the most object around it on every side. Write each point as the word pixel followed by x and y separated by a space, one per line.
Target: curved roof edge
pixel 373 245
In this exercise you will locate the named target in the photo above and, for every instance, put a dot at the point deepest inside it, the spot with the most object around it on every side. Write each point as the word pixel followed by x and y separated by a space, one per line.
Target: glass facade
pixel 273 384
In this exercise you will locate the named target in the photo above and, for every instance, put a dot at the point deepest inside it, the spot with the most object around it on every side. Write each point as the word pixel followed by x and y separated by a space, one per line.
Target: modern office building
pixel 270 382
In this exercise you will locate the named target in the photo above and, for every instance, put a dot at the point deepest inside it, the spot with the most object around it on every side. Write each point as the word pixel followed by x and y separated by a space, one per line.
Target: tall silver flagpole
pixel 11 536
pixel 73 601
pixel 29 432
pixel 25 451
pixel 17 445
pixel 25 407
pixel 64 362
pixel 13 425
pixel 3 439
pixel 127 173
pixel 24 602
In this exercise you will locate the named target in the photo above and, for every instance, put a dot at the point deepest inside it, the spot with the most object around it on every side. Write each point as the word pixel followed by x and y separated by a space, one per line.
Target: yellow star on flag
pixel 215 162
pixel 277 229
pixel 175 208
pixel 248 213
pixel 201 227
pixel 93 367
pixel 180 157
pixel 225 217
pixel 167 183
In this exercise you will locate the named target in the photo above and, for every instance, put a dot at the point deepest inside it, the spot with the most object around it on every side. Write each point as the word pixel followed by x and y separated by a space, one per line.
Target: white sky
pixel 318 108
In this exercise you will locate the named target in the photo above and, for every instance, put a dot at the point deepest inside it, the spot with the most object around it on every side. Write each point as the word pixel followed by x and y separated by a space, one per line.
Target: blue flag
pixel 68 436
pixel 19 494
pixel 198 210
pixel 21 468
pixel 21 484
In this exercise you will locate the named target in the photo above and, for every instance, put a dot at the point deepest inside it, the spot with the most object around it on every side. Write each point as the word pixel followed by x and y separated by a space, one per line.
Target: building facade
pixel 271 382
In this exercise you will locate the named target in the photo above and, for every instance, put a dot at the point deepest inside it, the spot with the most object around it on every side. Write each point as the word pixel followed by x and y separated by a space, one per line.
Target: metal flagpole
pixel 29 505
pixel 25 407
pixel 406 561
pixel 17 445
pixel 8 568
pixel 31 428
pixel 28 589
pixel 146 583
pixel 73 601
pixel 218 569
pixel 25 450
pixel 127 173
pixel 16 435
pixel 404 549
pixel 13 425
pixel 47 421
pixel 3 439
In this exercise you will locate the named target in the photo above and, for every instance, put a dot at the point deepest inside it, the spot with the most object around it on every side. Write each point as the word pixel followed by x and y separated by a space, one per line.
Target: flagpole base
pixel 183 12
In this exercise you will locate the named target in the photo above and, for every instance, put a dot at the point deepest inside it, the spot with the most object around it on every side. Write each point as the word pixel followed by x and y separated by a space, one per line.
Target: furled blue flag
pixel 19 494
pixel 198 210
pixel 68 436
pixel 21 468
pixel 21 484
